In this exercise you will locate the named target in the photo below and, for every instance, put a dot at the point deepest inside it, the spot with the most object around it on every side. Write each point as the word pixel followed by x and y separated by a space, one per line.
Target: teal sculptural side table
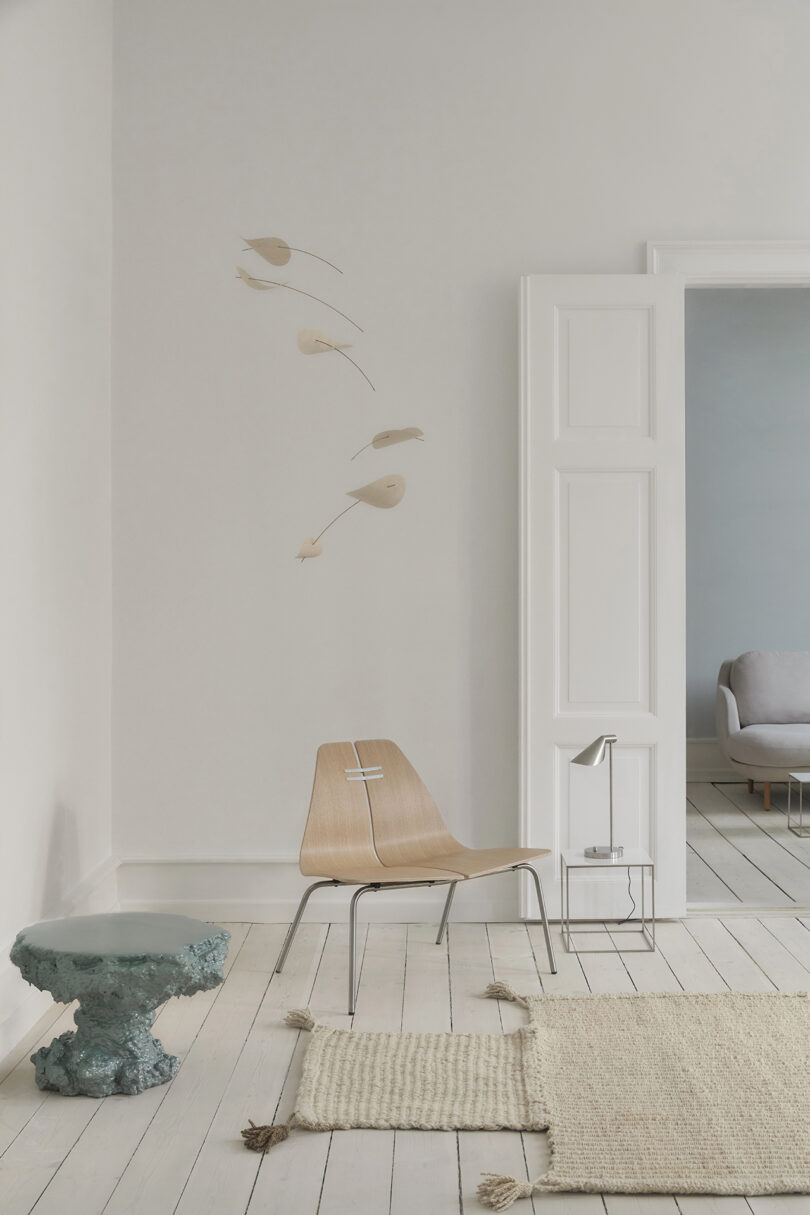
pixel 120 967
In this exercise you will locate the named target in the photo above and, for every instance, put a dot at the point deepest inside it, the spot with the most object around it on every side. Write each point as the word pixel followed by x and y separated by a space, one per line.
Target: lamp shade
pixel 594 753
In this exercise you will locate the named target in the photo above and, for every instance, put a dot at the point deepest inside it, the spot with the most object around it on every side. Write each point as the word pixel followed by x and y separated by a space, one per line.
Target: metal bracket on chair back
pixel 376 768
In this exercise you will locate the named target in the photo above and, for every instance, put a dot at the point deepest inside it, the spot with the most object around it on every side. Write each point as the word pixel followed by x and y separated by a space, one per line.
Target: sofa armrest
pixel 728 717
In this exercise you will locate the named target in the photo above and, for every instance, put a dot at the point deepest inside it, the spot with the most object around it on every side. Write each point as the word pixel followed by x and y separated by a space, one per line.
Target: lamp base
pixel 604 852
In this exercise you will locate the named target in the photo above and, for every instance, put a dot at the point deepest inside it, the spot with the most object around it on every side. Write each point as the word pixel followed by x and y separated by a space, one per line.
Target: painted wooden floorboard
pixel 165 1156
pixel 773 958
pixel 732 963
pixel 290 1178
pixel 773 822
pixel 702 883
pixel 688 962
pixel 793 934
pixel 737 871
pixel 780 1204
pixel 35 1155
pixel 425 1168
pixel 223 1173
pixel 360 1162
pixel 470 973
pixel 569 976
pixel 514 962
pixel 708 1204
pixel 19 1097
pixel 784 869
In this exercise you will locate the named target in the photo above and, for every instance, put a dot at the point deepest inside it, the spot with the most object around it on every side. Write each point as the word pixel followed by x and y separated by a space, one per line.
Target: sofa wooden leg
pixel 766 795
pixel 750 786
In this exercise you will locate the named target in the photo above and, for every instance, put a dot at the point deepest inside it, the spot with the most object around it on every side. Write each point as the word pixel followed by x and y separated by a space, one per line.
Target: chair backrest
pixel 772 687
pixel 338 834
pixel 369 809
pixel 407 825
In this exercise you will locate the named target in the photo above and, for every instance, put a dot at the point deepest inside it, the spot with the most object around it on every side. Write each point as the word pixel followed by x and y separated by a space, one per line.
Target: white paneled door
pixel 603 584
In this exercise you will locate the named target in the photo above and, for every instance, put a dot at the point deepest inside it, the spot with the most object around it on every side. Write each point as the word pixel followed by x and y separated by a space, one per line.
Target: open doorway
pixel 748 547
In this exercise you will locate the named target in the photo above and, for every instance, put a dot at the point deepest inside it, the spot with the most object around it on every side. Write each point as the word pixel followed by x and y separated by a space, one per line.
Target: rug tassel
pixel 502 991
pixel 300 1018
pixel 499 1192
pixel 262 1138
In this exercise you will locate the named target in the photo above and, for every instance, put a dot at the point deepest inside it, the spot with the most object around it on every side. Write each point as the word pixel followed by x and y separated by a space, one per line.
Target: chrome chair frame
pixel 377 886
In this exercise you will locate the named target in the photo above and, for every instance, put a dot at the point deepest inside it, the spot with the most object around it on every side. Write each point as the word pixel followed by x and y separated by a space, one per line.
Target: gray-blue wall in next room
pixel 747 482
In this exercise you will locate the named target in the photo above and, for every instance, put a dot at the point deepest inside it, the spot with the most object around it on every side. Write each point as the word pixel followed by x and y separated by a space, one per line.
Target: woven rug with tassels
pixel 674 1093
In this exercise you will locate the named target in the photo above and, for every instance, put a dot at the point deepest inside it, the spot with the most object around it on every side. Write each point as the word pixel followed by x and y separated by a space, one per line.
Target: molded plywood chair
pixel 373 824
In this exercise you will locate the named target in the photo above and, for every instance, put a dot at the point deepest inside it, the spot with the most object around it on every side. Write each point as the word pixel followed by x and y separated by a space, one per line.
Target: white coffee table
pixel 632 858
pixel 801 779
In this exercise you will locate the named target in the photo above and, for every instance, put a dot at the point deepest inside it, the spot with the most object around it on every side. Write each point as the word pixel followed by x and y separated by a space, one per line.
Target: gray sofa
pixel 763 715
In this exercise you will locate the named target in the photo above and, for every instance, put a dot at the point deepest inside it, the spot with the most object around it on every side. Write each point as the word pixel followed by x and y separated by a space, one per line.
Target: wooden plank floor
pixel 739 855
pixel 176 1148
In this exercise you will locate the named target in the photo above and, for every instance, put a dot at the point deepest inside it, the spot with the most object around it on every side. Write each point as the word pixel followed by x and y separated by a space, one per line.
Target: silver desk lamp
pixel 590 757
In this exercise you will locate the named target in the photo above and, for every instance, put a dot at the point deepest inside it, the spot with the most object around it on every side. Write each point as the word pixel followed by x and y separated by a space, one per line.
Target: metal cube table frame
pixel 633 858
pixel 801 828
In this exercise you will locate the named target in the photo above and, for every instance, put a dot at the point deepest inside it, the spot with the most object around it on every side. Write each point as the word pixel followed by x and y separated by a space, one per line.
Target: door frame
pixel 732 263
pixel 744 263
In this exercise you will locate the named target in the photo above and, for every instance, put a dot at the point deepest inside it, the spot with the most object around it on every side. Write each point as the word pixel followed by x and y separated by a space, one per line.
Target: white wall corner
pixel 23 1004
pixel 705 761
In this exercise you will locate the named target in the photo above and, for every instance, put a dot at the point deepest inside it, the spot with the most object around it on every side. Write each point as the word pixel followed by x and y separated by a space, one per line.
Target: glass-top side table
pixel 632 858
pixel 796 823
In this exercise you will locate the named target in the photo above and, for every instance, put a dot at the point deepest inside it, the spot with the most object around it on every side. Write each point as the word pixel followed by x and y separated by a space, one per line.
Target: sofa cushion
pixel 783 746
pixel 772 686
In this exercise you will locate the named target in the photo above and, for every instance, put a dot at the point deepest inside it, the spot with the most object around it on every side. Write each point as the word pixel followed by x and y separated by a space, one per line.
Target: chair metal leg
pixel 352 940
pixel 538 887
pixel 291 931
pixel 446 911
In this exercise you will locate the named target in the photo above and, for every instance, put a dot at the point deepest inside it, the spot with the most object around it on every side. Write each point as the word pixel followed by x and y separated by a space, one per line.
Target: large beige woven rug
pixel 672 1093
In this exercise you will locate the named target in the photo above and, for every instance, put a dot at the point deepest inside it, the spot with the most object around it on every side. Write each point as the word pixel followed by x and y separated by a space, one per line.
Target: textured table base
pixel 110 1052
pixel 120 967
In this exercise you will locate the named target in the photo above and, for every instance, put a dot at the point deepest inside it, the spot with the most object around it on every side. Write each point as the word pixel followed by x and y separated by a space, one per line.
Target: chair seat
pixel 449 867
pixel 478 862
pixel 364 875
pixel 782 746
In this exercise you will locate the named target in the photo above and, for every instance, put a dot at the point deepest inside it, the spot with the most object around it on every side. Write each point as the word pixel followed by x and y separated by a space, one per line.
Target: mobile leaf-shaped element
pixel 311 547
pixel 267 284
pixel 277 252
pixel 256 284
pixel 312 341
pixel 387 438
pixel 385 492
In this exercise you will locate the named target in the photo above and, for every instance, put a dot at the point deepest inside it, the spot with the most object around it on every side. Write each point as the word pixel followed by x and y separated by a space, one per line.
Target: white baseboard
pixel 267 891
pixel 706 762
pixel 745 911
pixel 96 893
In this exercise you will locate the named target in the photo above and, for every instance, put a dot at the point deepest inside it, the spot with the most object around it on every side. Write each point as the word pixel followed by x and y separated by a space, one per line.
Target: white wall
pixel 436 152
pixel 55 608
